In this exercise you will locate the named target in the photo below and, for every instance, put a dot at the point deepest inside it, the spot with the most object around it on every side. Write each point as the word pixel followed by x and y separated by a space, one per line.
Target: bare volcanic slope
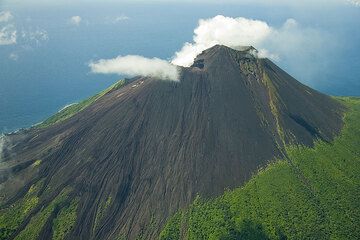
pixel 122 165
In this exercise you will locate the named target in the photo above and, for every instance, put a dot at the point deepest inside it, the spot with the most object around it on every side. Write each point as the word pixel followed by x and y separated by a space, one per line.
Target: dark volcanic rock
pixel 153 145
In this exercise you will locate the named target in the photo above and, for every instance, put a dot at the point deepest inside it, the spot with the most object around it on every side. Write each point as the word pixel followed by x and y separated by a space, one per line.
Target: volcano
pixel 121 166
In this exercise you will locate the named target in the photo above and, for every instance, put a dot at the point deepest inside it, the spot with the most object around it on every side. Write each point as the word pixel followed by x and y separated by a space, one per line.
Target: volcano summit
pixel 123 162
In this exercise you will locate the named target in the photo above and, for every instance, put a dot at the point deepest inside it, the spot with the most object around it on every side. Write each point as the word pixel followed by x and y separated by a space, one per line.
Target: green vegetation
pixel 37 222
pixel 36 163
pixel 103 207
pixel 313 194
pixel 172 228
pixel 65 220
pixel 14 215
pixel 11 217
pixel 149 227
pixel 71 110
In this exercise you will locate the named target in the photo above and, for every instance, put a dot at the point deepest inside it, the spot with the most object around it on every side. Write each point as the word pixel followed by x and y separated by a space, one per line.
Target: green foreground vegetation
pixel 34 227
pixel 11 217
pixel 60 211
pixel 72 109
pixel 313 194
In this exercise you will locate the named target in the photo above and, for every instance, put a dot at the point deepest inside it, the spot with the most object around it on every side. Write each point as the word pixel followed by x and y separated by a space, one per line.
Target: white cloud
pixel 36 36
pixel 355 2
pixel 14 56
pixel 294 40
pixel 5 16
pixel 227 31
pixel 310 47
pixel 8 35
pixel 121 18
pixel 264 53
pixel 116 19
pixel 75 20
pixel 133 65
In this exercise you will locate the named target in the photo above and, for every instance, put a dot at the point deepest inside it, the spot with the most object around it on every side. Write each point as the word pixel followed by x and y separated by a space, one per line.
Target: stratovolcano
pixel 145 149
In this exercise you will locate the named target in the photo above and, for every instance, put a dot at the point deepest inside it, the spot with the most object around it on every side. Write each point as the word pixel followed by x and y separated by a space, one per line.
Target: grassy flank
pixel 36 163
pixel 65 220
pixel 314 194
pixel 77 107
pixel 37 222
pixel 11 217
pixel 101 211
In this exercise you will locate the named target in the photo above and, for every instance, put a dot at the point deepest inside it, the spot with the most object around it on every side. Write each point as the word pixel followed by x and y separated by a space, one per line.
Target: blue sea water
pixel 44 75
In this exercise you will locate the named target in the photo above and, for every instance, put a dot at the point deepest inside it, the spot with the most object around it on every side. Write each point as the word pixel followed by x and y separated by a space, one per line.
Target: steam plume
pixel 275 43
pixel 228 31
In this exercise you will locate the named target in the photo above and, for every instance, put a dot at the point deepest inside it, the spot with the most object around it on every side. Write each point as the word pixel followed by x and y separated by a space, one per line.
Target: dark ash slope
pixel 147 149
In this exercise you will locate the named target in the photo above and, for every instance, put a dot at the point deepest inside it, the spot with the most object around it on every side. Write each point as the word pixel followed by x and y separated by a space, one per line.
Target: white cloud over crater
pixel 133 65
pixel 271 42
pixel 231 32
